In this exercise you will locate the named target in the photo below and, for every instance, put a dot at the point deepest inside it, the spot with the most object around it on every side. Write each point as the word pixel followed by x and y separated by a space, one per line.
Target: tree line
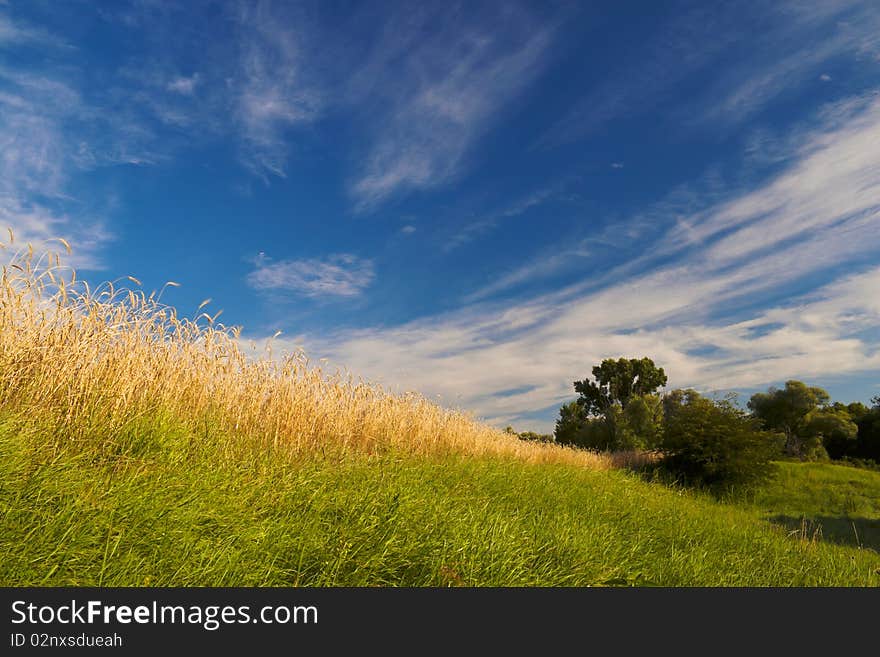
pixel 712 441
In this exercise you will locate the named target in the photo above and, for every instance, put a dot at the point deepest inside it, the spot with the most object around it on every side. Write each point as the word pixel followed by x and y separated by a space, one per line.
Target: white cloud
pixel 540 267
pixel 836 181
pixel 566 257
pixel 534 199
pixel 184 85
pixel 438 95
pixel 519 207
pixel 641 75
pixel 804 38
pixel 38 157
pixel 789 44
pixel 252 86
pixel 740 258
pixel 17 33
pixel 271 93
pixel 339 275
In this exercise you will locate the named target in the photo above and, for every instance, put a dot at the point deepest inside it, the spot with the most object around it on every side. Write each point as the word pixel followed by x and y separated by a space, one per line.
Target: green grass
pixel 160 508
pixel 837 503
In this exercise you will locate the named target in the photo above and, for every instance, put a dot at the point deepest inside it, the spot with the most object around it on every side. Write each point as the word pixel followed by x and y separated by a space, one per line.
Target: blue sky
pixel 477 201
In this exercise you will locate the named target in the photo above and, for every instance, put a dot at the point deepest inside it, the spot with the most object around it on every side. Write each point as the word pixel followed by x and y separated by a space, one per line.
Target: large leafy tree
pixel 830 429
pixel 622 393
pixel 639 424
pixel 792 410
pixel 618 381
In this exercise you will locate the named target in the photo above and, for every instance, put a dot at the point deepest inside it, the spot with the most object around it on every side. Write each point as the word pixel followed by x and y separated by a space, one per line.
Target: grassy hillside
pixel 138 448
pixel 833 503
pixel 167 511
pixel 94 363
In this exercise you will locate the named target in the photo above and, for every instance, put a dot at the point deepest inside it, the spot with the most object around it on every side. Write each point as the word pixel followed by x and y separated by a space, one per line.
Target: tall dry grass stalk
pixel 96 362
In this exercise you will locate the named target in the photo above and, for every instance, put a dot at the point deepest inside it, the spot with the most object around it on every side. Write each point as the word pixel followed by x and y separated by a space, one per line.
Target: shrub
pixel 868 440
pixel 536 437
pixel 715 444
pixel 575 429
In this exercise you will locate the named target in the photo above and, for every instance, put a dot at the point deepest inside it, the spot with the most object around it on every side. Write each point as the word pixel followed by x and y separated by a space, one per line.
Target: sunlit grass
pixel 140 448
pixel 178 515
pixel 828 502
pixel 90 363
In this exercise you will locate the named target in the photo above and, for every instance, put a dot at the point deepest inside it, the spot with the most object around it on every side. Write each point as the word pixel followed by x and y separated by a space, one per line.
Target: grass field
pixel 835 503
pixel 171 512
pixel 138 448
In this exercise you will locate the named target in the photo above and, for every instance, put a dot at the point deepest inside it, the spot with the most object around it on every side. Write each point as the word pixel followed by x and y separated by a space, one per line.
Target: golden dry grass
pixel 95 362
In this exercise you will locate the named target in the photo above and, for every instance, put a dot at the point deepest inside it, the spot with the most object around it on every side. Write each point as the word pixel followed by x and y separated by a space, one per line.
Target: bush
pixel 536 437
pixel 575 429
pixel 715 444
pixel 868 440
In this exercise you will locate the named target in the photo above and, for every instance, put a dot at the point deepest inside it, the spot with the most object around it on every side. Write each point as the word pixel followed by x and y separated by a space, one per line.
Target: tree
pixel 570 425
pixel 617 384
pixel 868 440
pixel 535 437
pixel 714 443
pixel 639 424
pixel 856 410
pixel 830 430
pixel 786 410
pixel 574 428
pixel 617 381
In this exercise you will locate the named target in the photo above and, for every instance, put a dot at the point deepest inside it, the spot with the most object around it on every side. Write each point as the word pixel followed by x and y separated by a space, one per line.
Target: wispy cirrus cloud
pixel 790 44
pixel 805 38
pixel 434 92
pixel 835 182
pixel 541 267
pixel 18 33
pixel 249 86
pixel 559 259
pixel 643 77
pixel 491 220
pixel 713 304
pixel 185 85
pixel 421 85
pixel 39 154
pixel 337 275
pixel 271 91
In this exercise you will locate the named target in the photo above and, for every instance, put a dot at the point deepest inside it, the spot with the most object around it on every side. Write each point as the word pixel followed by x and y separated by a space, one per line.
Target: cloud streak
pixel 716 308
pixel 440 94
pixel 519 207
pixel 835 31
pixel 38 157
pixel 271 94
pixel 789 45
pixel 338 275
pixel 16 33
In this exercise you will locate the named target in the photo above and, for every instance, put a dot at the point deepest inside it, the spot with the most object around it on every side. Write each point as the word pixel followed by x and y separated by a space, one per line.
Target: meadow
pixel 140 448
pixel 167 511
pixel 830 502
